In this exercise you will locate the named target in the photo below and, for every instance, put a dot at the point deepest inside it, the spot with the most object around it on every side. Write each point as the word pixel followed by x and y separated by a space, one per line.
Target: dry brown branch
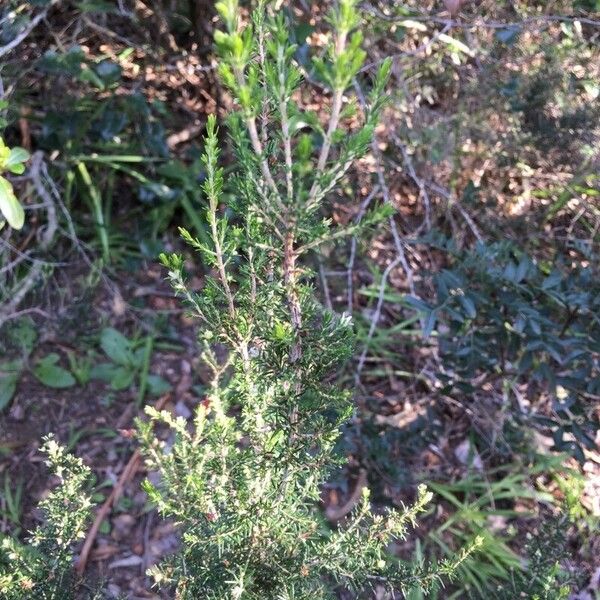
pixel 335 513
pixel 4 50
pixel 127 473
pixel 479 22
pixel 353 243
pixel 46 238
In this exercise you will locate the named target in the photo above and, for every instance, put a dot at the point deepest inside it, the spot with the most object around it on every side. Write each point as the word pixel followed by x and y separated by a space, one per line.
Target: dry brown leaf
pixel 104 551
pixel 453 6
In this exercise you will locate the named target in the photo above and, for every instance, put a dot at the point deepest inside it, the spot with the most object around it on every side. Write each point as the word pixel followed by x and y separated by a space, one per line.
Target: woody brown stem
pixel 290 280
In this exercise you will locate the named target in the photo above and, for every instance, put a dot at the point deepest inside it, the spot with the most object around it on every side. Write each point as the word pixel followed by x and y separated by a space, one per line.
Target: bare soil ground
pixel 96 423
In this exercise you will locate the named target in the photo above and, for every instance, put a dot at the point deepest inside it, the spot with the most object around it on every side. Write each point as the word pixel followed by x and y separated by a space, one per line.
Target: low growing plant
pixel 130 362
pixel 544 578
pixel 12 160
pixel 472 505
pixel 42 569
pixel 517 321
pixel 244 482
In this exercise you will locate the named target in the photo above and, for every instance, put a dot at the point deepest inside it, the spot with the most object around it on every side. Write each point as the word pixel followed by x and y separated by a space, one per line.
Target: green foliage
pixel 51 374
pixel 588 5
pixel 543 579
pixel 129 364
pixel 101 75
pixel 130 361
pixel 517 320
pixel 244 482
pixel 42 569
pixel 244 479
pixel 21 336
pixel 539 578
pixel 108 142
pixel 10 371
pixel 474 504
pixel 11 496
pixel 11 160
pixel 555 111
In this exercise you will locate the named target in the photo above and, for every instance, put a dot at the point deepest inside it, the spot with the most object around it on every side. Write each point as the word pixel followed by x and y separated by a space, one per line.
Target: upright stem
pixel 285 128
pixel 264 116
pixel 258 149
pixel 290 280
pixel 334 120
pixel 219 254
pixel 250 121
pixel 252 276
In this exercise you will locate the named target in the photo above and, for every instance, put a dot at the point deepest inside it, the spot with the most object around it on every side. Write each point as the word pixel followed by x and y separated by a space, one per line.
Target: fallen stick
pixel 128 472
pixel 335 513
pixel 32 25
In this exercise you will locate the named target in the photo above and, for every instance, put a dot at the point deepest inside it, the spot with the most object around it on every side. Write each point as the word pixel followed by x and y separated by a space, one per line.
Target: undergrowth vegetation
pixel 42 568
pixel 244 483
pixel 376 372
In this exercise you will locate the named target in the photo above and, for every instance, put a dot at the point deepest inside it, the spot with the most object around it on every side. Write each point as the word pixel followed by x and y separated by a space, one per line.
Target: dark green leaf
pixel 104 372
pixel 122 378
pixel 418 304
pixel 9 377
pixel 430 322
pixel 157 386
pixel 51 374
pixel 116 346
pixel 468 306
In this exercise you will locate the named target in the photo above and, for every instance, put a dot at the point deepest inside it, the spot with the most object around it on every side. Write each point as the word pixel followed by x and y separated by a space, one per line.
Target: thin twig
pixel 257 146
pixel 413 174
pixel 212 218
pixel 422 48
pixel 27 311
pixel 23 34
pixel 459 23
pixel 324 283
pixel 350 268
pixel 37 163
pixel 285 130
pixel 112 499
pixel 453 200
pixel 376 316
pixel 334 120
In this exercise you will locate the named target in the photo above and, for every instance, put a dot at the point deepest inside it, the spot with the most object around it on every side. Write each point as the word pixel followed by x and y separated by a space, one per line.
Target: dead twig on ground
pixel 46 238
pixel 127 473
pixel 353 243
pixel 4 50
pixel 335 513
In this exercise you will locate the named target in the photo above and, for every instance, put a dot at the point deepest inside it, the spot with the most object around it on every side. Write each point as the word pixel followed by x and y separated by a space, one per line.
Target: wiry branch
pixel 23 34
pixel 250 121
pixel 26 284
pixel 334 120
pixel 285 128
pixel 350 269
